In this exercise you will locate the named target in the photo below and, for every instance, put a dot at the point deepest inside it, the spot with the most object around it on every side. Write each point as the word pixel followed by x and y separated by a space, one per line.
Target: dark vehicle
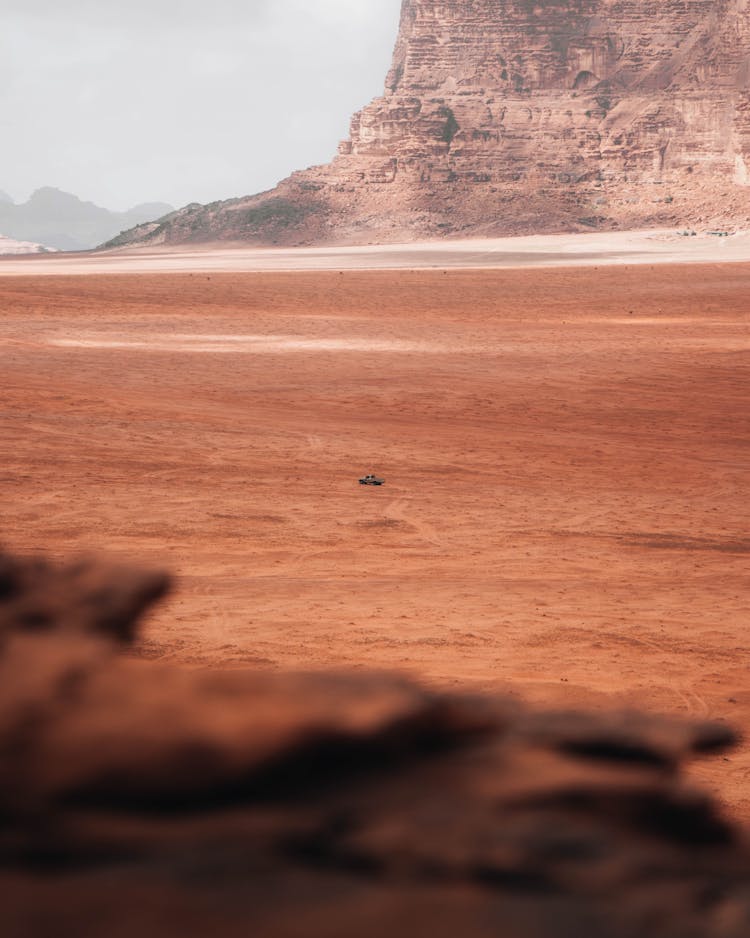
pixel 371 480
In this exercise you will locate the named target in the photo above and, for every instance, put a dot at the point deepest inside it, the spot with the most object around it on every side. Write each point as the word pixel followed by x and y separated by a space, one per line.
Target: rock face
pixel 138 799
pixel 511 116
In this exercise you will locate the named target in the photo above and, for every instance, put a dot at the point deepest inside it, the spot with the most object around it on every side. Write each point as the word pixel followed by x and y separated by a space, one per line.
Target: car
pixel 371 480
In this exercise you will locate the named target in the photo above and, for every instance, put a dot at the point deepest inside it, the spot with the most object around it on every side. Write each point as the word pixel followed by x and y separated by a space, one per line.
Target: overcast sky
pixel 127 101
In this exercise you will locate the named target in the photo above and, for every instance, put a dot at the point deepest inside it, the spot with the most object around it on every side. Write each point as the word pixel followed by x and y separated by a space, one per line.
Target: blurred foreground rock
pixel 142 800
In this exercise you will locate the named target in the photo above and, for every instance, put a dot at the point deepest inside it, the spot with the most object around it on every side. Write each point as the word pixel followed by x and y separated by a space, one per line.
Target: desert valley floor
pixel 566 453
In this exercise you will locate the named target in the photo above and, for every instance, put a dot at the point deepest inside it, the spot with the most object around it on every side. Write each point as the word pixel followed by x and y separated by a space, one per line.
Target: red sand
pixel 566 455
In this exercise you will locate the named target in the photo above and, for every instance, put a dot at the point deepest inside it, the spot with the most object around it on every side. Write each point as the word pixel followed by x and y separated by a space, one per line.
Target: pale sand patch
pixel 565 250
pixel 242 344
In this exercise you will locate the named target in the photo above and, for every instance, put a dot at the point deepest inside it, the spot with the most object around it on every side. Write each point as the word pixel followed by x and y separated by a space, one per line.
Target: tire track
pixel 398 510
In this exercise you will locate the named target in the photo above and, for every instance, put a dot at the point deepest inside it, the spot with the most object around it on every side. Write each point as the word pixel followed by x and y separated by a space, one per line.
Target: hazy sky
pixel 126 101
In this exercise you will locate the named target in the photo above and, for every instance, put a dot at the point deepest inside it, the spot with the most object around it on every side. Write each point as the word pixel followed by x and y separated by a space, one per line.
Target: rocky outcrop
pixel 511 116
pixel 141 799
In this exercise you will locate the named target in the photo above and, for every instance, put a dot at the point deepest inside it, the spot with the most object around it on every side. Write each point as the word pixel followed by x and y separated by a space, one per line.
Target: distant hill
pixel 61 220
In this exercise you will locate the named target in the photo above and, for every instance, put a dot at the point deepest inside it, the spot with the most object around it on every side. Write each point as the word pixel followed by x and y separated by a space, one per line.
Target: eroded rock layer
pixel 511 116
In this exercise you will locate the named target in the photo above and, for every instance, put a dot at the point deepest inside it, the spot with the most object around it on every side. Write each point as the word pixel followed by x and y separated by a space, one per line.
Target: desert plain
pixel 566 507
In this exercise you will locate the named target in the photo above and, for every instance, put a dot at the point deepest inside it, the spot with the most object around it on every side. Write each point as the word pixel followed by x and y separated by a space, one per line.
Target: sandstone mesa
pixel 512 117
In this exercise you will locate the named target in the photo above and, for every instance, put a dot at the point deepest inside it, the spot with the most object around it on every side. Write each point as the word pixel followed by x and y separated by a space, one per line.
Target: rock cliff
pixel 511 116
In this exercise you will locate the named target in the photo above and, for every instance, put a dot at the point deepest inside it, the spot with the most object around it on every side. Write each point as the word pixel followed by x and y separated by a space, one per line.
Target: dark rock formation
pixel 511 116
pixel 139 800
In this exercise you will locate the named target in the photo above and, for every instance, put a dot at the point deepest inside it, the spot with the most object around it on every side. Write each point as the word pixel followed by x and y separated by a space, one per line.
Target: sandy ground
pixel 566 456
pixel 611 248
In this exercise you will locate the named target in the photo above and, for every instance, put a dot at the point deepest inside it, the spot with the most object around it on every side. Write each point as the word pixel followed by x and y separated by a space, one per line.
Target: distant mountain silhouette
pixel 61 220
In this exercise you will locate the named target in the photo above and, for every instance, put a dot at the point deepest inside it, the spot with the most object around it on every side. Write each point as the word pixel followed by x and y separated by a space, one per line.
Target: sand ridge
pixel 561 250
